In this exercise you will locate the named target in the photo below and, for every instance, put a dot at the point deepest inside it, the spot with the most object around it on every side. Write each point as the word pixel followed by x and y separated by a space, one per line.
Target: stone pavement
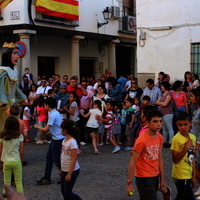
pixel 102 177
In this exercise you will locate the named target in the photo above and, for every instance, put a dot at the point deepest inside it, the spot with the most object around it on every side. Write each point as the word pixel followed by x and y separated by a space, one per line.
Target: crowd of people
pixel 108 110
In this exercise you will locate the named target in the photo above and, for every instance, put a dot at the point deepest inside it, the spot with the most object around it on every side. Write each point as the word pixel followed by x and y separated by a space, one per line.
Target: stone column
pixel 25 61
pixel 112 56
pixel 75 68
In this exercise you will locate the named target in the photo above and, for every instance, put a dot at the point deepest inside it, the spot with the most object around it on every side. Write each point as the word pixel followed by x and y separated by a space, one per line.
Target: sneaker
pixel 82 143
pixel 197 193
pixel 116 149
pixel 167 196
pixel 39 142
pixel 128 149
pixel 43 181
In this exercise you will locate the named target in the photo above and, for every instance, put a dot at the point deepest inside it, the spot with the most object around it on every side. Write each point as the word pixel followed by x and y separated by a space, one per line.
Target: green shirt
pixel 10 150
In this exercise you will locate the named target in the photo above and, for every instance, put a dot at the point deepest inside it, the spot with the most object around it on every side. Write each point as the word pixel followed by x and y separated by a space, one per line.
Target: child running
pixel 147 154
pixel 108 124
pixel 69 164
pixel 12 152
pixel 183 168
pixel 92 124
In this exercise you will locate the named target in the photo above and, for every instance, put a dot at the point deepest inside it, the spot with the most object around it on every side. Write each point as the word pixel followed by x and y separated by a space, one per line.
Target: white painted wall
pixel 167 50
pixel 90 13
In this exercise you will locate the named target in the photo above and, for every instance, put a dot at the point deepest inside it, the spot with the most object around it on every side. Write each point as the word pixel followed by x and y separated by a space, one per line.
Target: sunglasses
pixel 133 83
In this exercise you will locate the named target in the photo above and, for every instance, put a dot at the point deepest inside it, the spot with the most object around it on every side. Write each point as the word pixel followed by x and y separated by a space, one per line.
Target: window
pixel 195 58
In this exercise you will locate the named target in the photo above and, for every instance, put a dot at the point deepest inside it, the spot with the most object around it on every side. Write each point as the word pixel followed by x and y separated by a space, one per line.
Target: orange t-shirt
pixel 147 164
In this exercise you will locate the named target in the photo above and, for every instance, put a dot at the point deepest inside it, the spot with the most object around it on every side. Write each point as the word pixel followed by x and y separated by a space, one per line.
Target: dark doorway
pixel 46 66
pixel 86 67
pixel 123 61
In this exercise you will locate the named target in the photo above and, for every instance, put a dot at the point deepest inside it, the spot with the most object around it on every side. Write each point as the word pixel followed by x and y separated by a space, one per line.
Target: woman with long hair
pixel 166 107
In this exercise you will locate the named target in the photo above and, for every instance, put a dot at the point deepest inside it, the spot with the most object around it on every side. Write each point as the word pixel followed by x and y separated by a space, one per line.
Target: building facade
pixel 168 38
pixel 82 48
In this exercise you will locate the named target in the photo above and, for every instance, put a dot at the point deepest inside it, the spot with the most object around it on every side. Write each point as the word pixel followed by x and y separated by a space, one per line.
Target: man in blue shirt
pixel 54 151
pixel 122 81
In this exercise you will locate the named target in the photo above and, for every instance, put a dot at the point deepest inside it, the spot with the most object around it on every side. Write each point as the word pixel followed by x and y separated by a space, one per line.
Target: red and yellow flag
pixel 4 3
pixel 67 9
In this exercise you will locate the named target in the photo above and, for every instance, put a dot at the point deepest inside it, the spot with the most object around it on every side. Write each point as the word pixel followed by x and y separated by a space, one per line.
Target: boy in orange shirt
pixel 146 161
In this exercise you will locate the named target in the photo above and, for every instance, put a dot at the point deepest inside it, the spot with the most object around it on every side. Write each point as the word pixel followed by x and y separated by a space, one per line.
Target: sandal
pixel 96 152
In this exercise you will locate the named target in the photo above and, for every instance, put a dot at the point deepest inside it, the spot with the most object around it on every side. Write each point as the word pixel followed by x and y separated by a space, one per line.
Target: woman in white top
pixel 69 165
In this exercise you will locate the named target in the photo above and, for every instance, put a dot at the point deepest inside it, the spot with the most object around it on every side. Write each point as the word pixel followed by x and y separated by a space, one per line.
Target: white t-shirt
pixel 43 90
pixel 92 121
pixel 28 111
pixel 66 158
pixel 74 117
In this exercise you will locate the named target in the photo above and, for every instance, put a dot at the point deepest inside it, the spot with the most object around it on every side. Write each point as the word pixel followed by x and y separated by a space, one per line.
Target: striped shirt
pixel 109 123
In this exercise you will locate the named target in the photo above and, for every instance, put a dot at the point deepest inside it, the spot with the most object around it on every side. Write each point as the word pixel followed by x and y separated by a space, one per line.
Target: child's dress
pixel 12 162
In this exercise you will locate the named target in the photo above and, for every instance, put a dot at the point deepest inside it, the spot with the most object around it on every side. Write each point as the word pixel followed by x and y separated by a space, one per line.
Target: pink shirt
pixel 86 100
pixel 179 99
pixel 42 116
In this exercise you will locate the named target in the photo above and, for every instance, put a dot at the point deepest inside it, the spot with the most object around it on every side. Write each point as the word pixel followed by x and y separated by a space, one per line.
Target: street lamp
pixel 107 15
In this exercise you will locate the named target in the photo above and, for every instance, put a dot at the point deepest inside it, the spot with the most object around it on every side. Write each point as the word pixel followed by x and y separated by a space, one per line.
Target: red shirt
pixel 78 91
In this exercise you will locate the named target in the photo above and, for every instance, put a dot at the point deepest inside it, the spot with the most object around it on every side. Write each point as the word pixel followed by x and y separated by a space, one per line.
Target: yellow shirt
pixel 183 169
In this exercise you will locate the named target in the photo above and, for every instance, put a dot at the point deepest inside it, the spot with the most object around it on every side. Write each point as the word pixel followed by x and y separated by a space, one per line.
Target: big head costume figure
pixel 10 93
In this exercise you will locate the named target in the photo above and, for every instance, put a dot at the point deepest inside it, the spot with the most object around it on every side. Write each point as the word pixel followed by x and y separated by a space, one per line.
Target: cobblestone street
pixel 102 177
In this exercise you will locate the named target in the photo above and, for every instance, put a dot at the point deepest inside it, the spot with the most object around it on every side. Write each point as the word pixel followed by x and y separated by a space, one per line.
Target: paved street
pixel 102 177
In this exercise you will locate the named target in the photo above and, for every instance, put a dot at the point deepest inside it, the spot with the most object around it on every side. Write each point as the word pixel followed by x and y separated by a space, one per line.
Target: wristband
pixel 129 182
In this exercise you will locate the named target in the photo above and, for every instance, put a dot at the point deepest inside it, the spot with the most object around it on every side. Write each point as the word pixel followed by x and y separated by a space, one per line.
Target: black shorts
pixel 91 130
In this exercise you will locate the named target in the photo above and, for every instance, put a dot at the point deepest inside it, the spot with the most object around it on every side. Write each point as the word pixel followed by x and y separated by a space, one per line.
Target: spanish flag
pixel 4 3
pixel 67 9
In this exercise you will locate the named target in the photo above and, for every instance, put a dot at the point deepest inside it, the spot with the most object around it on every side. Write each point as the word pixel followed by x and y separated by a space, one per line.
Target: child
pixel 195 78
pixel 130 117
pixel 92 123
pixel 123 122
pixel 136 108
pixel 12 152
pixel 144 127
pixel 51 93
pixel 183 168
pixel 14 111
pixel 147 154
pixel 27 118
pixel 108 124
pixel 54 151
pixel 69 164
pixel 73 108
pixel 42 119
pixel 117 125
pixel 136 104
pixel 145 101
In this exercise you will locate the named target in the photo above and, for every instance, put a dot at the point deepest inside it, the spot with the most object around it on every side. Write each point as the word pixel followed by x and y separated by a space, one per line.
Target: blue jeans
pixel 67 186
pixel 53 156
pixel 168 131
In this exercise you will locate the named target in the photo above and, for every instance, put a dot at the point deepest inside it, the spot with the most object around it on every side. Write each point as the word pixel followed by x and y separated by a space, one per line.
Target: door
pixel 87 68
pixel 46 66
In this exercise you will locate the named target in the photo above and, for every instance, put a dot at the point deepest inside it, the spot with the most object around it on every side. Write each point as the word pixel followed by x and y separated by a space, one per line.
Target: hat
pixel 63 85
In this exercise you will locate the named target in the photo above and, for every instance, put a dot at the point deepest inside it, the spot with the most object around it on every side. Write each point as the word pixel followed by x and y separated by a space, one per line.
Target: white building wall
pixel 167 50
